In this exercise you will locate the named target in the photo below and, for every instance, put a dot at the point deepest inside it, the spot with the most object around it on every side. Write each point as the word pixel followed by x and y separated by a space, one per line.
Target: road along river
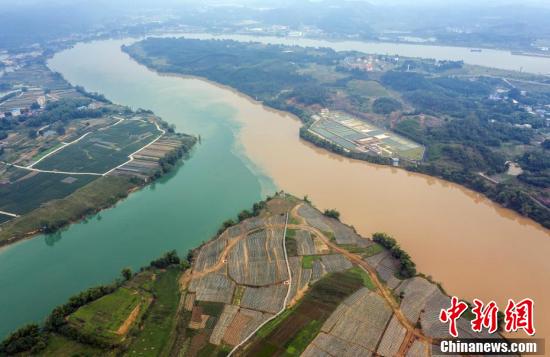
pixel 472 246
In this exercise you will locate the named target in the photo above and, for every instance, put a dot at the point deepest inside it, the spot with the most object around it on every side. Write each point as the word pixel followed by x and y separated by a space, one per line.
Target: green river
pixel 222 177
pixel 178 212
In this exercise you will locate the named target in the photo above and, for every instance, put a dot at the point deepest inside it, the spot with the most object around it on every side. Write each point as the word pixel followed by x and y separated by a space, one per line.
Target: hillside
pixel 285 279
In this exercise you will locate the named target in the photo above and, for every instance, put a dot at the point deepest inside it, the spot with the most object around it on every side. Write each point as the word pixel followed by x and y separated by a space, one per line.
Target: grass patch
pixel 271 325
pixel 303 338
pixel 307 261
pixel 61 346
pixel 238 295
pixel 103 317
pixel 373 249
pixel 159 322
pixel 297 327
pixel 290 243
pixel 293 220
pixel 365 277
pixel 352 248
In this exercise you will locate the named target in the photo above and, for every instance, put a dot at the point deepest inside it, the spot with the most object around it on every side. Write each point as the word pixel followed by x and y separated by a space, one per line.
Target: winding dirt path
pixel 356 259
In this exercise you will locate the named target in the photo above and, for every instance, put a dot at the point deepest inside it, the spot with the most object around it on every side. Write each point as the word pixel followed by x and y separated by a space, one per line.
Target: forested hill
pixel 472 121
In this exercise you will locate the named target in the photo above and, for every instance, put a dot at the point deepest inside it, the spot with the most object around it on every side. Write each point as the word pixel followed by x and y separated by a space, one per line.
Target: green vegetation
pixel 159 320
pixel 372 249
pixel 442 105
pixel 332 213
pixel 102 318
pixel 102 150
pixel 297 327
pixel 300 342
pixel 408 268
pixel 31 190
pixel 307 261
pixel 367 282
pixel 290 243
pixel 126 316
pixel 99 194
pixel 386 105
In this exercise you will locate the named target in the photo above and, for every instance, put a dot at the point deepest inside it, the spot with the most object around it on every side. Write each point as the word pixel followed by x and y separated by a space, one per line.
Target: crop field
pixel 335 262
pixel 344 234
pixel 305 244
pixel 258 259
pixel 244 322
pixel 314 218
pixel 356 135
pixel 267 299
pixel 223 323
pixel 104 317
pixel 360 320
pixel 417 349
pixel 146 161
pixel 301 325
pixel 416 292
pixel 100 151
pixel 209 254
pixel 328 345
pixel 300 277
pixel 28 190
pixel 392 339
pixel 213 287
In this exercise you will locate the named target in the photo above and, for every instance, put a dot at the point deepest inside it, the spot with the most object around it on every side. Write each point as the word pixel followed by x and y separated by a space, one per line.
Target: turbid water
pixel 472 246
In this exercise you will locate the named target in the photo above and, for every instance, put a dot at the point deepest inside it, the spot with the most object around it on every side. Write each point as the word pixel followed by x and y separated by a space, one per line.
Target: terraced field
pixel 239 297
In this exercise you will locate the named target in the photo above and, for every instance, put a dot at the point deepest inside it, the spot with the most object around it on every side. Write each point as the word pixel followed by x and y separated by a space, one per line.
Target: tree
pixel 332 213
pixel 126 273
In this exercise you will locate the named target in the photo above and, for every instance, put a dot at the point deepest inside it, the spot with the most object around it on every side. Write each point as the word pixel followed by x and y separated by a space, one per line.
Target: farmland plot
pixel 418 349
pixel 317 271
pixel 335 262
pixel 210 254
pixel 29 190
pixel 417 291
pixel 258 259
pixel 328 345
pixel 362 321
pixel 305 243
pixel 102 150
pixel 392 339
pixel 227 316
pixel 244 322
pixel 342 233
pixel 300 277
pixel 314 218
pixel 213 287
pixel 267 299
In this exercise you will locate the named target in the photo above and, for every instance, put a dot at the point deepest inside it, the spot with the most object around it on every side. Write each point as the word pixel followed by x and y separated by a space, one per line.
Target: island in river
pixel 66 153
pixel 441 118
pixel 283 279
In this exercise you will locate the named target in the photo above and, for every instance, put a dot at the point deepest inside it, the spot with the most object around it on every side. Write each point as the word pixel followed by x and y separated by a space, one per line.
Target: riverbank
pixel 430 216
pixel 100 194
pixel 447 150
